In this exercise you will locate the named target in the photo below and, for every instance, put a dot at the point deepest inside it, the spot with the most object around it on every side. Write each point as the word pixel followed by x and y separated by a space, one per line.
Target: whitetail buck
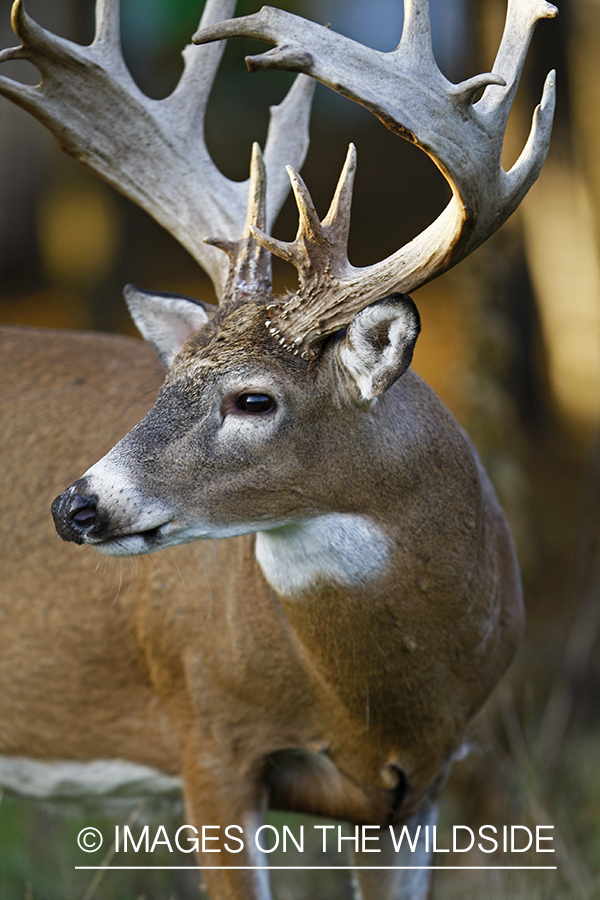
pixel 327 653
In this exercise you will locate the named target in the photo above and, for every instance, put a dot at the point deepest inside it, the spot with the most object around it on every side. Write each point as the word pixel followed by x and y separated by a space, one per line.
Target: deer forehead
pixel 206 371
pixel 237 335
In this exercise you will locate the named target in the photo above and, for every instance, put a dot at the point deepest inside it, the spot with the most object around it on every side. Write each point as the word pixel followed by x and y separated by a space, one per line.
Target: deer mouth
pixel 131 543
pixel 79 518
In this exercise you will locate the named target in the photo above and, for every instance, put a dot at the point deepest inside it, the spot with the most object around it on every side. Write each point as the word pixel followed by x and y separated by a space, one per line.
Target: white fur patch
pixel 251 824
pixel 111 480
pixel 100 779
pixel 338 548
pixel 392 881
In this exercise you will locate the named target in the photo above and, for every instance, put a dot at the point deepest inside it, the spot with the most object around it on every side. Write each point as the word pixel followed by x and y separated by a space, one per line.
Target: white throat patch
pixel 338 548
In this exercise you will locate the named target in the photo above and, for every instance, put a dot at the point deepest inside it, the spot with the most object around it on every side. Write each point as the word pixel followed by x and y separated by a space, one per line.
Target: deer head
pixel 262 368
pixel 259 368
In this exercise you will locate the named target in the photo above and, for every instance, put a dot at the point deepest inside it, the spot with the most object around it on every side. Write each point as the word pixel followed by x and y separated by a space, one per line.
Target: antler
pixel 408 92
pixel 153 151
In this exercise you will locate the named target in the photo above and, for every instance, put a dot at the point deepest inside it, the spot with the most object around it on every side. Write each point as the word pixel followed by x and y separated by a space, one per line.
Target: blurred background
pixel 510 340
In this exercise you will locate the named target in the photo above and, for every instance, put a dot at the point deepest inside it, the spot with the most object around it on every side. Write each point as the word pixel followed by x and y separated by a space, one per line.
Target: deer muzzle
pixel 76 514
pixel 115 522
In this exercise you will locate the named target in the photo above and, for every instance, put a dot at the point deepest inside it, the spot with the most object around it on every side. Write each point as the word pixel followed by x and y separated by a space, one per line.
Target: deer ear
pixel 379 345
pixel 165 320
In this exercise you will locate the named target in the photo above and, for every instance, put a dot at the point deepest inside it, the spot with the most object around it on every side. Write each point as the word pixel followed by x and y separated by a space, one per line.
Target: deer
pixel 338 591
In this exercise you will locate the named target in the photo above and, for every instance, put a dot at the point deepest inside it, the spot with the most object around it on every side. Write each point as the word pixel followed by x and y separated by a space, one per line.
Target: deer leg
pixel 226 810
pixel 398 884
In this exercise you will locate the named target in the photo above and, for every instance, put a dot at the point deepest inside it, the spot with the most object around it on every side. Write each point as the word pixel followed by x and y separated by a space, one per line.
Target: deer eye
pixel 255 404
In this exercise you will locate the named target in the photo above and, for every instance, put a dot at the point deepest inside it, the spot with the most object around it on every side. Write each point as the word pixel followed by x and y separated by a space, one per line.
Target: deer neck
pixel 331 574
pixel 360 599
pixel 340 549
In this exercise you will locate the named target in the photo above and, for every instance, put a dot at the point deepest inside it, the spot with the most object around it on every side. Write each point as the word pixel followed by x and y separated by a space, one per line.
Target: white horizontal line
pixel 312 868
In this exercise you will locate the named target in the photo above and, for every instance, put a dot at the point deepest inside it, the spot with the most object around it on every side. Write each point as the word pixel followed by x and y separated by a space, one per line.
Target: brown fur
pixel 189 662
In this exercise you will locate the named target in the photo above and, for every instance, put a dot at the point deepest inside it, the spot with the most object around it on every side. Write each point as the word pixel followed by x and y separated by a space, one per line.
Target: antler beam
pixel 153 151
pixel 408 92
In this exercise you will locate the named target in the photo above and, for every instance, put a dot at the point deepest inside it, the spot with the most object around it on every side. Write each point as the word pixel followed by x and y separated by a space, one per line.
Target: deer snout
pixel 75 513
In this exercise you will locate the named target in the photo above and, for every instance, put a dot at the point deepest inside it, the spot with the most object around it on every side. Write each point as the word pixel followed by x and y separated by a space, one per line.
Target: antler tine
pixel 320 255
pixel 108 25
pixel 153 151
pixel 190 98
pixel 331 233
pixel 287 141
pixel 521 19
pixel 250 263
pixel 407 91
pixel 416 36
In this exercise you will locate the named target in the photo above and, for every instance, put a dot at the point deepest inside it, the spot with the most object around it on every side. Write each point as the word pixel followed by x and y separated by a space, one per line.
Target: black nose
pixel 75 513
